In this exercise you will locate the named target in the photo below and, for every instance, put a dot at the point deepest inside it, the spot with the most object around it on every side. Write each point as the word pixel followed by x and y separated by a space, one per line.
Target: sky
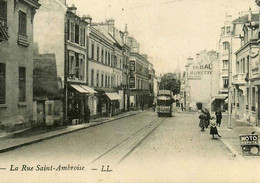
pixel 168 30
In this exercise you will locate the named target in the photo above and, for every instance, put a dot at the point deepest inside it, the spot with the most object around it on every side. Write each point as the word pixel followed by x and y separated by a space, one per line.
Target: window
pixel 115 61
pixel 243 66
pixel 225 45
pixel 81 68
pixel 71 66
pixel 22 23
pixel 92 77
pixel 82 37
pixel 92 51
pixel 102 56
pixel 68 29
pixel 102 80
pixel 97 53
pixel 120 64
pixel 253 99
pixel 77 69
pixel 108 59
pixel 106 81
pixel 22 84
pixel 225 82
pixel 2 83
pixel 228 30
pixel 77 33
pixel 97 79
pixel 72 32
pixel 3 12
pixel 225 64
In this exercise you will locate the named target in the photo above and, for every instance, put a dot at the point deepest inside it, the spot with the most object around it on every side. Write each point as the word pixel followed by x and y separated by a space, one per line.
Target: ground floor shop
pixel 246 102
pixel 139 99
pixel 81 102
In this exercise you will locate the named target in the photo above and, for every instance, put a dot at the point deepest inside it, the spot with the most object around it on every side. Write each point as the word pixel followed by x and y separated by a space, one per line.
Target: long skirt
pixel 213 130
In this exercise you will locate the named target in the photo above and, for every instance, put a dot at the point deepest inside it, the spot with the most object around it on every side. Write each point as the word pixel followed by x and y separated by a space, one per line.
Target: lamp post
pixel 229 85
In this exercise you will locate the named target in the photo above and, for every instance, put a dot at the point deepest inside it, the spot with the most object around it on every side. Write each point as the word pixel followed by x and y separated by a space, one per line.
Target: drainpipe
pixel 65 102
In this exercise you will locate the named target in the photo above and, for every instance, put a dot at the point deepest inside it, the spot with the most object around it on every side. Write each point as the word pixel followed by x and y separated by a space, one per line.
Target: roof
pixel 244 19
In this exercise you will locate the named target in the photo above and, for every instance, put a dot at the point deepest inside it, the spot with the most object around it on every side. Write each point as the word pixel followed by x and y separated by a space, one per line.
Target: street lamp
pixel 229 84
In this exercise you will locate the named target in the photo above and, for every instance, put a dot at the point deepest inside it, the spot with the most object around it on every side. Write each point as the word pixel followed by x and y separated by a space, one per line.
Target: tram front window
pixel 164 102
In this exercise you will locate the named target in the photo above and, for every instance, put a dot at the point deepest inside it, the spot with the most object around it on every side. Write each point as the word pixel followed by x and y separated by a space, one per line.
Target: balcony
pixel 3 29
pixel 240 78
pixel 23 40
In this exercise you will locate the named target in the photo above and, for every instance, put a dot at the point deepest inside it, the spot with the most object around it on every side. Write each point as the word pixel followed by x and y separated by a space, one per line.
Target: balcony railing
pixel 240 78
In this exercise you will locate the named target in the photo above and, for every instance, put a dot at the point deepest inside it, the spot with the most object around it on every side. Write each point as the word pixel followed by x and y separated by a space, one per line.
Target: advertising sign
pixel 131 82
pixel 248 139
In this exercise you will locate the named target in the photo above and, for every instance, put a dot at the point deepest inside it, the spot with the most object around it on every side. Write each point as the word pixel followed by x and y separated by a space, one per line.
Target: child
pixel 213 128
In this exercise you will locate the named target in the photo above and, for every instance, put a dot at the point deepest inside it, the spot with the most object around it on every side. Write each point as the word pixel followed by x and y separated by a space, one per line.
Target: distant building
pixel 139 76
pixel 200 72
pixel 16 60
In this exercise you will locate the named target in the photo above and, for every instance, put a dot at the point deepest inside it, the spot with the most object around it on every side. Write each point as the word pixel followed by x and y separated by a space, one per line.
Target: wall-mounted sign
pixel 131 82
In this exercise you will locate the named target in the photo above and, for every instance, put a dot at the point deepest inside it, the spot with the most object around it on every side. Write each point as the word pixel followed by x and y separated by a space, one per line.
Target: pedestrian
pixel 206 112
pixel 202 118
pixel 218 117
pixel 182 107
pixel 87 114
pixel 213 128
pixel 154 105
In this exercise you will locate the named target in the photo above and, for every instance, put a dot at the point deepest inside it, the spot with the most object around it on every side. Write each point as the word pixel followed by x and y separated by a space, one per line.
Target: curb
pixel 6 149
pixel 231 149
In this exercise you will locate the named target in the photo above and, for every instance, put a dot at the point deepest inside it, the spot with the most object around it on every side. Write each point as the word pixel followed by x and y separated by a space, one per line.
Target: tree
pixel 170 81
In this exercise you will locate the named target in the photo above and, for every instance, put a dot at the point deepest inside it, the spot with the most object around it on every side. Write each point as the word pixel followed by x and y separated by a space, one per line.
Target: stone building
pixel 16 60
pixel 203 72
pixel 246 74
pixel 139 76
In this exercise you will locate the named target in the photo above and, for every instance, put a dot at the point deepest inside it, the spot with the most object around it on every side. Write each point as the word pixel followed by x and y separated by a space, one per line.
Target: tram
pixel 164 102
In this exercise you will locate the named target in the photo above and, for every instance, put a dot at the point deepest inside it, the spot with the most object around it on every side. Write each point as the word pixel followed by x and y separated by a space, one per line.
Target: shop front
pixel 78 103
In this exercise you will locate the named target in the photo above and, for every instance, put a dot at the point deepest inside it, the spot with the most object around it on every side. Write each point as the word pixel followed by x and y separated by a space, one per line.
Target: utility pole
pixel 229 83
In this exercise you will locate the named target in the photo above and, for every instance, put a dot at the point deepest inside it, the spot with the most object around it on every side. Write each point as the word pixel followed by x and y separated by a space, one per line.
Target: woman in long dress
pixel 213 128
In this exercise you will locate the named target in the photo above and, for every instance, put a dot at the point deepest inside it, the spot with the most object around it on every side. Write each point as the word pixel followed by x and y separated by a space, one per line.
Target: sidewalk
pixel 10 141
pixel 230 137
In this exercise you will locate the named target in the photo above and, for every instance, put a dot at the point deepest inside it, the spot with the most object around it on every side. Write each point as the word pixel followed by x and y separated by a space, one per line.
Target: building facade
pixel 246 74
pixel 201 71
pixel 16 60
pixel 139 77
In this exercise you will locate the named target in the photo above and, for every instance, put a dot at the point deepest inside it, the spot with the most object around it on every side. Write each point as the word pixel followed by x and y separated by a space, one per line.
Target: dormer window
pixel 228 30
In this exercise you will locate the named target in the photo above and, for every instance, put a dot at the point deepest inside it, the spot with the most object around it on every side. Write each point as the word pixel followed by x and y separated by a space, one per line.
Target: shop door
pixel 41 112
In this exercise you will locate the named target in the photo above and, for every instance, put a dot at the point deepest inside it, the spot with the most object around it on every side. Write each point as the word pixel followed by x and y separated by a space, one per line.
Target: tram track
pixel 120 151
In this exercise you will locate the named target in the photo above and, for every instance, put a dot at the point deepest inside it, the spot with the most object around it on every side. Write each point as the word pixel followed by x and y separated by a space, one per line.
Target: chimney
pixel 87 18
pixel 73 9
pixel 249 15
pixel 125 34
pixel 197 55
pixel 111 25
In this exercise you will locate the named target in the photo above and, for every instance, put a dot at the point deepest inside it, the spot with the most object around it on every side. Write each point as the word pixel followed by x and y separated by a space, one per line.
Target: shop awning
pixel 113 96
pixel 79 88
pixel 220 97
pixel 88 89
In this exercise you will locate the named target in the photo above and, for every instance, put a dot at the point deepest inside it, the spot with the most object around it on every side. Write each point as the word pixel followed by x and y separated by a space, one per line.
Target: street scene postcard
pixel 129 91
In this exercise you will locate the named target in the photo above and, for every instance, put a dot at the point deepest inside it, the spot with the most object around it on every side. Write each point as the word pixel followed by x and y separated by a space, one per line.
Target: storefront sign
pixel 131 82
pixel 248 139
pixel 200 69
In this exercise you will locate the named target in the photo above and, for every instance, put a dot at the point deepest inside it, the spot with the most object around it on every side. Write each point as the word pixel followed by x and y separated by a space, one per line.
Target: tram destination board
pixel 251 139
